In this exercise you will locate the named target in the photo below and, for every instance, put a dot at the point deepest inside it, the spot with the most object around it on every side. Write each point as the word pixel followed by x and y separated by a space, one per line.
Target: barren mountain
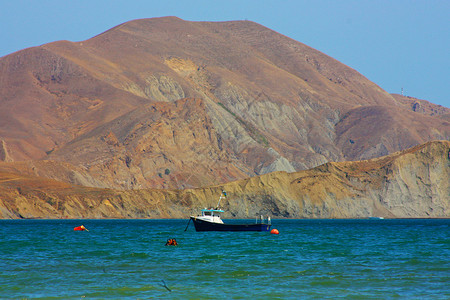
pixel 423 106
pixel 411 183
pixel 167 103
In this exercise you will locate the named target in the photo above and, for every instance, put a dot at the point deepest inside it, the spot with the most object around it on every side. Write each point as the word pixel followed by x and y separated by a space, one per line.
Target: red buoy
pixel 80 228
pixel 274 231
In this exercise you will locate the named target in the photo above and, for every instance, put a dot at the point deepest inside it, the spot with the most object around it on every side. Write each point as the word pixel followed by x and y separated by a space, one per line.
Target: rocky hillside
pixel 167 103
pixel 411 183
pixel 423 106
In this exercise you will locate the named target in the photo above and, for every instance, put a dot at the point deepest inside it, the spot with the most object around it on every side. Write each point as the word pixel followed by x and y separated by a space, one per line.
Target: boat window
pixel 207 213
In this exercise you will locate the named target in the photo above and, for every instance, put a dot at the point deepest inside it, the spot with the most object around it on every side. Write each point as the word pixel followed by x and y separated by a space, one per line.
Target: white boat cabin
pixel 211 215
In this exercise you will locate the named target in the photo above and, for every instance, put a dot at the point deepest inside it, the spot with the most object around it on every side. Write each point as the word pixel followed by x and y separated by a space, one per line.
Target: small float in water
pixel 171 242
pixel 210 220
pixel 80 228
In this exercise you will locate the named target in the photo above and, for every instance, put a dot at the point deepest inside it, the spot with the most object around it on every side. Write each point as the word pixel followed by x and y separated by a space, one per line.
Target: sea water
pixel 309 259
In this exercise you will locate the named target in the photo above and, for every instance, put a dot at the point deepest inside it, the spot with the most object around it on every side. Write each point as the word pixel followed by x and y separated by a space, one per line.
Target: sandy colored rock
pixel 414 183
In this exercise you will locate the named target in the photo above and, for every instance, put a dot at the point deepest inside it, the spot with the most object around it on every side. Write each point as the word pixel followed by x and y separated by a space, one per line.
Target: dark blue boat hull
pixel 201 225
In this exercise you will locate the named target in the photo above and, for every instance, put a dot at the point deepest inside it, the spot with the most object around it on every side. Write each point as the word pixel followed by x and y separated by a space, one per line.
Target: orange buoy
pixel 171 242
pixel 80 228
pixel 274 231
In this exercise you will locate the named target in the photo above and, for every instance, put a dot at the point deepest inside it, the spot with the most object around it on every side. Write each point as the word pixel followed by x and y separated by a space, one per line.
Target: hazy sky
pixel 394 43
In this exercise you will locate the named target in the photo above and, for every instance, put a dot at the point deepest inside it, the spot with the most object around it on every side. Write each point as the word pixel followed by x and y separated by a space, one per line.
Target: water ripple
pixel 128 259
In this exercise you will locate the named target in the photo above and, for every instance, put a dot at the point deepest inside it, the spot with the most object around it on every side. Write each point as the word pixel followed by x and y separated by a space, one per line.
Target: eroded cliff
pixel 168 103
pixel 408 184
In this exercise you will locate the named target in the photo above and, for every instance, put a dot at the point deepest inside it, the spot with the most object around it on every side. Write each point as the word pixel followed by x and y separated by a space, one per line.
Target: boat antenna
pixel 222 195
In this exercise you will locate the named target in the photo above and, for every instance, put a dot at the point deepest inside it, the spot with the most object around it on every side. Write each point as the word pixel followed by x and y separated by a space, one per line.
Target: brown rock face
pixel 423 106
pixel 411 183
pixel 155 145
pixel 166 103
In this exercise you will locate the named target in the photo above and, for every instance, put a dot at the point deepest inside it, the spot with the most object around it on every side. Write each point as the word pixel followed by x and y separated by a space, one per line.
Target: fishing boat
pixel 210 220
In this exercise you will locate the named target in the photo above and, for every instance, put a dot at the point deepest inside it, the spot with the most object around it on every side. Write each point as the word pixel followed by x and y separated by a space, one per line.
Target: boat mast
pixel 222 195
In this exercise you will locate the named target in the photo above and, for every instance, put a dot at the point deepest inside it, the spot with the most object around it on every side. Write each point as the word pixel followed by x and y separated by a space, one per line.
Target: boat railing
pixel 260 220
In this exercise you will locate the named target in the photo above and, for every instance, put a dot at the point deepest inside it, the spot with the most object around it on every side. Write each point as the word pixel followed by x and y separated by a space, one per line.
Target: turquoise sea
pixel 309 259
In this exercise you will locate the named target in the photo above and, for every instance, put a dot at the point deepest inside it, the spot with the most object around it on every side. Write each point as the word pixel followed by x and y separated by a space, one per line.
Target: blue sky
pixel 394 43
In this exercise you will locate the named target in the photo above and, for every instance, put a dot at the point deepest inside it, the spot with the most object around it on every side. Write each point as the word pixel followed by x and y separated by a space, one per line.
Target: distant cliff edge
pixel 413 183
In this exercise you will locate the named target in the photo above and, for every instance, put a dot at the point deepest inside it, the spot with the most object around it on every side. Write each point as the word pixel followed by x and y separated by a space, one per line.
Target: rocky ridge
pixel 411 183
